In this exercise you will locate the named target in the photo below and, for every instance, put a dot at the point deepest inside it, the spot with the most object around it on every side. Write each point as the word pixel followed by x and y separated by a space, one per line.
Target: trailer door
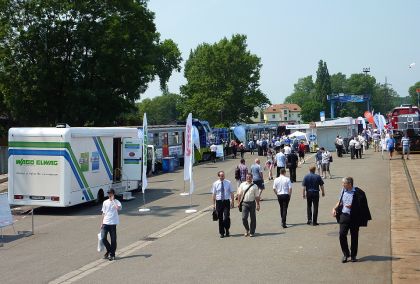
pixel 132 159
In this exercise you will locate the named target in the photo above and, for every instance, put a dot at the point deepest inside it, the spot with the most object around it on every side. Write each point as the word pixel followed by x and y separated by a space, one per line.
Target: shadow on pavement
pixel 136 255
pixel 267 234
pixel 157 181
pixel 160 211
pixel 378 258
pixel 92 208
pixel 11 238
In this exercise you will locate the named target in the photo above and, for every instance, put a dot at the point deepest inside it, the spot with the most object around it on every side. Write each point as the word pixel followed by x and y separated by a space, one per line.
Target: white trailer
pixel 65 166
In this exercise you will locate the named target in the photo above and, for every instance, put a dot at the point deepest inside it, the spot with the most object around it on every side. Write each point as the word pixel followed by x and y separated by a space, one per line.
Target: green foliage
pixel 222 82
pixel 338 83
pixel 413 95
pixel 322 84
pixel 169 59
pixel 311 110
pixel 161 109
pixel 304 90
pixel 80 62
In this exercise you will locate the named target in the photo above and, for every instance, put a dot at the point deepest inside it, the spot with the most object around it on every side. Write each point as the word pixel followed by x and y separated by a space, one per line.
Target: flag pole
pixel 184 193
pixel 144 165
pixel 191 210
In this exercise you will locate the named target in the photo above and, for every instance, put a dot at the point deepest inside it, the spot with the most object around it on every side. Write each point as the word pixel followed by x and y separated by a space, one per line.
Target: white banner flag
pixel 189 152
pixel 145 143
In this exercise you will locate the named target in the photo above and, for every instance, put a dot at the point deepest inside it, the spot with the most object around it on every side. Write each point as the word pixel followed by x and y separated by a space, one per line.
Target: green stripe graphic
pixel 20 144
pixel 105 154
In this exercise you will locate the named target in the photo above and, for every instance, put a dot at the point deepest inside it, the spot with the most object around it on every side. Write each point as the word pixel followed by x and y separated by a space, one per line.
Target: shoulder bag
pixel 243 196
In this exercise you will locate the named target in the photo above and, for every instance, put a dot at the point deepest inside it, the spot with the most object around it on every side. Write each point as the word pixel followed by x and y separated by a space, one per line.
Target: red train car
pixel 406 119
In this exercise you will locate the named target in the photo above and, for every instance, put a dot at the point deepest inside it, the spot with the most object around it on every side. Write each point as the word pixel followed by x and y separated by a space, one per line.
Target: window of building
pixel 285 118
pixel 273 116
pixel 285 111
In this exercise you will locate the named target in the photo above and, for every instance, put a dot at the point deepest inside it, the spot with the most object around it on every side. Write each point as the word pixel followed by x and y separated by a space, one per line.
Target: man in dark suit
pixel 354 214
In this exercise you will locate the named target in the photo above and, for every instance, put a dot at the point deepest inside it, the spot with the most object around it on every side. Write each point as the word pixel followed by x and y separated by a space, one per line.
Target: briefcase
pixel 214 215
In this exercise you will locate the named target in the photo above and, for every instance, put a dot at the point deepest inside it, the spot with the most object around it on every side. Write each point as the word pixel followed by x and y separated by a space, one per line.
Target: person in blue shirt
pixel 354 214
pixel 390 145
pixel 311 185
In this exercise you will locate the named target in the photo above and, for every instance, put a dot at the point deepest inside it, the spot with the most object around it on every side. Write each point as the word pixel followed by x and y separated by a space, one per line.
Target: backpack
pixel 237 173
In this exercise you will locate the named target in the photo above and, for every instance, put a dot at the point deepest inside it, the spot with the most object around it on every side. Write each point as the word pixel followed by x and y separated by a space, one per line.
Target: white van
pixel 65 166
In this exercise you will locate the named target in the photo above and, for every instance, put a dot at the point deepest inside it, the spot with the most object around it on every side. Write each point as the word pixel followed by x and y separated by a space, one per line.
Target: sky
pixel 292 36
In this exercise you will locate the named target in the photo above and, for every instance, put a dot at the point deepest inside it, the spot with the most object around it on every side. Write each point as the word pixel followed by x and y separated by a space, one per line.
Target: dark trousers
pixel 249 208
pixel 359 153
pixel 292 171
pixel 312 197
pixel 112 230
pixel 352 152
pixel 213 157
pixel 223 213
pixel 345 226
pixel 284 203
pixel 340 150
pixel 278 170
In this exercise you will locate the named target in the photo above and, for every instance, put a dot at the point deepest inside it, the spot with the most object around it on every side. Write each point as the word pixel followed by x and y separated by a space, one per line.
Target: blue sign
pixel 312 137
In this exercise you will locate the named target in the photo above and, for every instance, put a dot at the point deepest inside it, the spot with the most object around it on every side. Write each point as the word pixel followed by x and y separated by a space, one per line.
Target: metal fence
pixel 3 160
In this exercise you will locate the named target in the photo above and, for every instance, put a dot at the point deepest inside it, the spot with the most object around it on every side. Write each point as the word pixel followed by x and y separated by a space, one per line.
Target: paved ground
pixel 168 246
pixel 405 225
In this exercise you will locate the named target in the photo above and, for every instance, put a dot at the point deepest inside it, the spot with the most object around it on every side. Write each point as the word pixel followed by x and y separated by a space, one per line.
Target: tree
pixel 310 110
pixel 322 84
pixel 414 97
pixel 161 109
pixel 304 90
pixel 338 83
pixel 222 82
pixel 81 62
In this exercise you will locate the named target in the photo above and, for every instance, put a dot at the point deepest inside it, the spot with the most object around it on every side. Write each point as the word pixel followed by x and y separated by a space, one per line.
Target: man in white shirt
pixel 250 203
pixel 110 220
pixel 358 148
pixel 222 196
pixel 282 187
pixel 213 150
pixel 339 146
pixel 287 149
pixel 352 143
pixel 280 161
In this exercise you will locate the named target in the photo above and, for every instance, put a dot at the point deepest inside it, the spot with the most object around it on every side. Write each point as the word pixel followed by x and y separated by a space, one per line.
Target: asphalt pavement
pixel 169 246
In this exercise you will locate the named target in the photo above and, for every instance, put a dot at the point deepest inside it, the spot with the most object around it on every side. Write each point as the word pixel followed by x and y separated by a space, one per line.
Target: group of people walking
pixel 250 186
pixel 351 210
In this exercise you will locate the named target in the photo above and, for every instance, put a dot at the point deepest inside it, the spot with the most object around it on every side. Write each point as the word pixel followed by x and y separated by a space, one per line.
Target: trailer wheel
pixel 101 197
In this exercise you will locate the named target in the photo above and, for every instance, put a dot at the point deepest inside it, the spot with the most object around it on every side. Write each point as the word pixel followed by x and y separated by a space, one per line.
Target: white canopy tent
pixel 299 135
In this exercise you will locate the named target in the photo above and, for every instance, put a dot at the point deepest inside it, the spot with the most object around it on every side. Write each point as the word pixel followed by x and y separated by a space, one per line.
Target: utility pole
pixel 366 70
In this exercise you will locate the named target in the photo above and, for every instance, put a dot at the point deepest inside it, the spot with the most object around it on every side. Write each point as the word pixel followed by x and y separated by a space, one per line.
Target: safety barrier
pixel 7 219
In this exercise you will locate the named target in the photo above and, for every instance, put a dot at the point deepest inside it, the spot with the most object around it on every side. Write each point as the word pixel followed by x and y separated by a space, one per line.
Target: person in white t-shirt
pixel 282 187
pixel 110 220
pixel 213 150
pixel 325 163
